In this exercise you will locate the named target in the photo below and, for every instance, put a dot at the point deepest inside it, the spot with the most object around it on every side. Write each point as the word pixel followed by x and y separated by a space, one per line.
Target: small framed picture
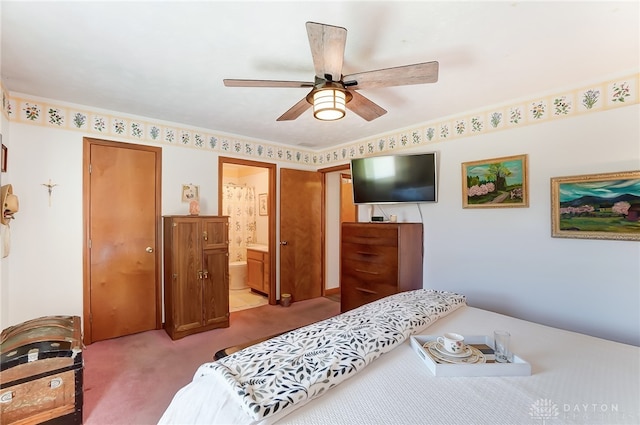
pixel 495 183
pixel 263 205
pixel 190 192
pixel 596 206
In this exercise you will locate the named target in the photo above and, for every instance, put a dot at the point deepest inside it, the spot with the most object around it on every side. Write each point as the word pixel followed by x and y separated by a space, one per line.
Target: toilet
pixel 238 275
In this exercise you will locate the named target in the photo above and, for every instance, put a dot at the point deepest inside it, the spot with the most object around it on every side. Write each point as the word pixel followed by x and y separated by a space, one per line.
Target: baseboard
pixel 332 291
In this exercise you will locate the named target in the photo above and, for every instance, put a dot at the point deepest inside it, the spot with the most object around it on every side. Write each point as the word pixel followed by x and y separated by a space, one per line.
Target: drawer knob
pixel 6 397
pixel 55 383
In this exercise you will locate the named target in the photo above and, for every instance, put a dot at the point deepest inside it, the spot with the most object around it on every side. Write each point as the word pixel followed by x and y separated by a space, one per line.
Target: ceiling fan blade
pixel 419 73
pixel 327 49
pixel 365 107
pixel 295 111
pixel 266 83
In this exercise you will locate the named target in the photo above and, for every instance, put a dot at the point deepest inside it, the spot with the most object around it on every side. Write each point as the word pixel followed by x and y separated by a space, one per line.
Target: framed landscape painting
pixel 596 206
pixel 495 183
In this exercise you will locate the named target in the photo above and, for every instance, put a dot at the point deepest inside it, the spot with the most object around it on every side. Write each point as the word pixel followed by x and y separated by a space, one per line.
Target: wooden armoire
pixel 196 274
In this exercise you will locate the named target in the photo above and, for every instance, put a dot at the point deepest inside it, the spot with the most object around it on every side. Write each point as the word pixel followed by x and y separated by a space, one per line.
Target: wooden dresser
pixel 196 274
pixel 377 260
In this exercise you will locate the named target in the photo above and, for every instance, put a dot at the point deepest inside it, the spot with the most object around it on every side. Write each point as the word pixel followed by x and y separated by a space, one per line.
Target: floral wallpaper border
pixel 593 98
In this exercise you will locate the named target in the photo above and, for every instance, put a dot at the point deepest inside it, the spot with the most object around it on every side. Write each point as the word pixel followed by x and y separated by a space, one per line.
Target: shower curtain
pixel 239 203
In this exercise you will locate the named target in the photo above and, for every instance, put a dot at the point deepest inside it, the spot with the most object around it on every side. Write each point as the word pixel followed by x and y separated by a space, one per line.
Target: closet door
pixel 122 293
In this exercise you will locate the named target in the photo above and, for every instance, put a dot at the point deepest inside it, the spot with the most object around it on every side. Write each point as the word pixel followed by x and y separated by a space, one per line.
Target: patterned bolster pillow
pixel 295 367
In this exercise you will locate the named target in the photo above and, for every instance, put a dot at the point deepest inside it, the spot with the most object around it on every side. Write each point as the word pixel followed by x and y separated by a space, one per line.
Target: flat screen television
pixel 394 179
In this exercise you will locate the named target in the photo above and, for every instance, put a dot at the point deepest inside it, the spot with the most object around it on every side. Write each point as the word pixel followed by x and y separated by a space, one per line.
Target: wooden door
pixel 215 232
pixel 215 268
pixel 301 234
pixel 186 284
pixel 348 210
pixel 121 215
pixel 215 286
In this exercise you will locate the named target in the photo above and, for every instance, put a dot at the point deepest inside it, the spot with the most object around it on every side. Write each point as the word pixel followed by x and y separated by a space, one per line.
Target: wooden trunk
pixel 41 372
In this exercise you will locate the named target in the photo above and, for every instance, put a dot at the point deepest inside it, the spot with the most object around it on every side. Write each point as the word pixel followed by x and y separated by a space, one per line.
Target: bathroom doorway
pixel 246 194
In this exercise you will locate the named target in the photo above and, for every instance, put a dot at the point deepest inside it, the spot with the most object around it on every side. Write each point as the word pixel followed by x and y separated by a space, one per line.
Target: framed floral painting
pixel 495 183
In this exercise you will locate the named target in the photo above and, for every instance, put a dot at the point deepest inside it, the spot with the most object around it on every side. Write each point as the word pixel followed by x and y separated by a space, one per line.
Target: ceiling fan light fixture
pixel 329 104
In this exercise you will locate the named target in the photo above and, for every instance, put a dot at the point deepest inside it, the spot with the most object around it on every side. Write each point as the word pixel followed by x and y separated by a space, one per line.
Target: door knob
pixel 284 243
pixel 149 249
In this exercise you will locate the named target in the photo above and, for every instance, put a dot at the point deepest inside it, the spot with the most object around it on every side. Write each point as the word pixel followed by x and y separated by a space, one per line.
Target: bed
pixel 373 376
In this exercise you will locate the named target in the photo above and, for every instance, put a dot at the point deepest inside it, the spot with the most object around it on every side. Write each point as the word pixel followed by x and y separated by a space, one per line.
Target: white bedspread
pixel 576 379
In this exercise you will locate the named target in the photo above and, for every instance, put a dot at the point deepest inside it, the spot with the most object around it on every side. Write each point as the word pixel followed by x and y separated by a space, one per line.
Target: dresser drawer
pixel 369 253
pixel 377 272
pixel 375 234
pixel 355 292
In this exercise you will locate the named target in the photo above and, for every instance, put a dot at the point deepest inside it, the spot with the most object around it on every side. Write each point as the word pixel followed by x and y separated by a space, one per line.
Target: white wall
pixel 504 259
pixel 189 166
pixel 332 230
pixel 45 263
pixel 44 270
pixel 4 270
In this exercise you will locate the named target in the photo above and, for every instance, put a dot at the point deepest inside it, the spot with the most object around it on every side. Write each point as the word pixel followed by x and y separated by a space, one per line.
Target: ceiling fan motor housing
pixel 329 101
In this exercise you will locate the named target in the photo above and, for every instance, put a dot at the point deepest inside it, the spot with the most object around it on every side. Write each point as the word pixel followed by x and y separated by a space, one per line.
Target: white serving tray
pixel 518 367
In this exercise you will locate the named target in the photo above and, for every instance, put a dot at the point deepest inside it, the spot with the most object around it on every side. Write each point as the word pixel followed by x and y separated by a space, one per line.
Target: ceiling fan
pixel 331 92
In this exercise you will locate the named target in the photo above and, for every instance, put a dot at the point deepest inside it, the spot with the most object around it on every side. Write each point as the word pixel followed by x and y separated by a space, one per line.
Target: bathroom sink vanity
pixel 258 268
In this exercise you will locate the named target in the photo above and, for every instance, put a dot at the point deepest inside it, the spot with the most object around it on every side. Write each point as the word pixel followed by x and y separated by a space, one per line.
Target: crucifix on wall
pixel 49 187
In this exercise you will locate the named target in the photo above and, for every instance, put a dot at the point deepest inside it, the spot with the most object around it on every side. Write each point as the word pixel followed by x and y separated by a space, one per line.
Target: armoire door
pixel 215 286
pixel 121 215
pixel 186 281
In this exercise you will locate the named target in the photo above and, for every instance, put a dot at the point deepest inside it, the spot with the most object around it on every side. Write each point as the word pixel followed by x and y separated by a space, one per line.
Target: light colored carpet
pixel 132 379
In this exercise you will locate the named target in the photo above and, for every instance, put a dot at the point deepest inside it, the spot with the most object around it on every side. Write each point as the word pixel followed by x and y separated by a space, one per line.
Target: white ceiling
pixel 167 60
